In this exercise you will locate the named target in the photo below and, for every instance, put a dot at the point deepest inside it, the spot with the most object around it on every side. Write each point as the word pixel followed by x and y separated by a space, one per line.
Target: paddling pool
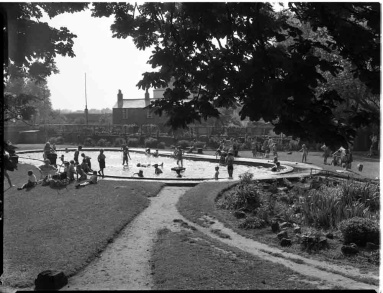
pixel 196 168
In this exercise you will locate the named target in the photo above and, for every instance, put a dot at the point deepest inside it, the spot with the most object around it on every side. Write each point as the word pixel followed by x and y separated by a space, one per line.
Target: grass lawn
pixel 191 261
pixel 66 229
pixel 200 201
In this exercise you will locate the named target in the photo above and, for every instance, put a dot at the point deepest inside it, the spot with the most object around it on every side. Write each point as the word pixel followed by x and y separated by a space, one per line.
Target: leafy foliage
pixel 360 231
pixel 228 54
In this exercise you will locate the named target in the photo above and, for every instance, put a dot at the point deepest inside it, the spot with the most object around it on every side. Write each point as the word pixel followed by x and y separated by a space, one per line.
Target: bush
pixel 252 223
pixel 119 142
pixel 52 140
pixel 199 144
pixel 151 142
pixel 243 197
pixel 133 142
pixel 102 142
pixel 89 142
pixel 161 145
pixel 183 144
pixel 214 142
pixel 359 231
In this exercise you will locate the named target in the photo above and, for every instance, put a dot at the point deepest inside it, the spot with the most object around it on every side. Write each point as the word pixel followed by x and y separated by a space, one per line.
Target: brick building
pixel 131 111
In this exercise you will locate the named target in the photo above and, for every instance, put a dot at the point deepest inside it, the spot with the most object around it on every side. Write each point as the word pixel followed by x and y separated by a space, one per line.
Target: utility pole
pixel 86 104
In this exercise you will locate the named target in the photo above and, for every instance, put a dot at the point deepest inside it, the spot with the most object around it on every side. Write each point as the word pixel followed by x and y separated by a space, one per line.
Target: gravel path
pixel 125 264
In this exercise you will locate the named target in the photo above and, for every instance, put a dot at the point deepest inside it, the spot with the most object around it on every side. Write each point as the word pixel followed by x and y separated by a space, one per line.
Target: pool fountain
pixel 195 167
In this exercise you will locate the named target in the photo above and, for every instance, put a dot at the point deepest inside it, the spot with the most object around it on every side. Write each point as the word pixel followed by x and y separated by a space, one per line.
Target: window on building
pixel 124 113
pixel 148 114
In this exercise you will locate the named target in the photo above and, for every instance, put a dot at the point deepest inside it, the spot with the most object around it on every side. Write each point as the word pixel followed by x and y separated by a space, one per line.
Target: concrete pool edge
pixel 291 168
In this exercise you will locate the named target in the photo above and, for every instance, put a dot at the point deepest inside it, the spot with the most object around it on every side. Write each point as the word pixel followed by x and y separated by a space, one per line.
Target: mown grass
pixel 191 261
pixel 66 229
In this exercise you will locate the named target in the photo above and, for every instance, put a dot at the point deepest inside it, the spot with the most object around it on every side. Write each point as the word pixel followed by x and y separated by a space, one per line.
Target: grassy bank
pixel 200 201
pixel 190 261
pixel 66 229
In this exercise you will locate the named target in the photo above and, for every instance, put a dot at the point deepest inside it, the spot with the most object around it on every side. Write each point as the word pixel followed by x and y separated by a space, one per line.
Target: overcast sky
pixel 110 64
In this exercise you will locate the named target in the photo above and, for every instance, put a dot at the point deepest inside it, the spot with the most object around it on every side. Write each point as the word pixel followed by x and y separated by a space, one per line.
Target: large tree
pixel 230 53
pixel 30 47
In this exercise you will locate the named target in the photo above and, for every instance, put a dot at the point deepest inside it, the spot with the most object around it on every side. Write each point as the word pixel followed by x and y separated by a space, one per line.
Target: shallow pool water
pixel 114 167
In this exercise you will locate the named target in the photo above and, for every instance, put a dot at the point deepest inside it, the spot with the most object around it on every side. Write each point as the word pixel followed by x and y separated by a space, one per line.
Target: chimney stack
pixel 119 99
pixel 147 98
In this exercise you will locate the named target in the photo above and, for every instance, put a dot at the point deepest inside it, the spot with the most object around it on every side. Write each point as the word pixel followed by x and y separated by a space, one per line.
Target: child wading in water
pixel 229 162
pixel 179 156
pixel 216 173
pixel 157 170
pixel 139 174
pixel 101 161
pixel 31 181
pixel 125 156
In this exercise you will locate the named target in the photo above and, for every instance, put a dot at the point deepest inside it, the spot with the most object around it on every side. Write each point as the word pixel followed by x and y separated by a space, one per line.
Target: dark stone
pixel 323 243
pixel 372 246
pixel 282 234
pixel 285 242
pixel 297 229
pixel 349 249
pixel 239 214
pixel 50 280
pixel 285 225
pixel 330 235
pixel 274 226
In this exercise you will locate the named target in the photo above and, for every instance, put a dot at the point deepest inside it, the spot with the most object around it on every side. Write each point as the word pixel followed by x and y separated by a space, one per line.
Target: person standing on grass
pixel 326 153
pixel 125 156
pixel 101 161
pixel 304 151
pixel 230 163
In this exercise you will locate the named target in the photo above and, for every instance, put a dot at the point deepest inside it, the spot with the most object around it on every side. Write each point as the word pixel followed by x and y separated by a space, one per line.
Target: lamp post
pixel 86 104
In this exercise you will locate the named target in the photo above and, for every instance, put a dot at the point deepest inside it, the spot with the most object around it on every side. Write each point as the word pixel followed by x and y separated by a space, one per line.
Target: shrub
pixel 133 142
pixel 199 144
pixel 89 142
pixel 214 142
pixel 102 142
pixel 246 177
pixel 52 140
pixel 161 145
pixel 243 197
pixel 151 142
pixel 183 144
pixel 59 140
pixel 359 231
pixel 119 142
pixel 252 223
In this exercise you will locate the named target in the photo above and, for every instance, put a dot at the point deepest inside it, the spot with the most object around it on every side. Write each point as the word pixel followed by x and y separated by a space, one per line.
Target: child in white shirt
pixel 31 181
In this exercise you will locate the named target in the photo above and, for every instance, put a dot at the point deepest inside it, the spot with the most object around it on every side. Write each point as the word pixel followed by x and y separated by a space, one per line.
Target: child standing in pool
pixel 125 156
pixel 230 163
pixel 179 156
pixel 101 161
pixel 216 173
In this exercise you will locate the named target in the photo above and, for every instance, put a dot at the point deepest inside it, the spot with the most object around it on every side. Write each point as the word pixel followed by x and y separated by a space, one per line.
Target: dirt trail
pixel 125 264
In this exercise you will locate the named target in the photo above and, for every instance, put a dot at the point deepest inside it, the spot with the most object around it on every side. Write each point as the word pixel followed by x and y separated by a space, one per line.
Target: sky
pixel 110 64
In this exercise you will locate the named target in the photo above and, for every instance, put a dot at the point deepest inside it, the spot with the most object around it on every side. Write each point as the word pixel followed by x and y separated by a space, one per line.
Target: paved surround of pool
pixel 291 169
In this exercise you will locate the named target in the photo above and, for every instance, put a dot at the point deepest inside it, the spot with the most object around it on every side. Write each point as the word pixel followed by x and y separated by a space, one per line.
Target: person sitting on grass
pixel 92 180
pixel 157 170
pixel 71 171
pixel 31 181
pixel 139 174
pixel 80 171
pixel 47 170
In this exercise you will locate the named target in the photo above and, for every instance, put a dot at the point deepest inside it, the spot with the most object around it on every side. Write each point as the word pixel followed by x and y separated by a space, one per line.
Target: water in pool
pixel 114 167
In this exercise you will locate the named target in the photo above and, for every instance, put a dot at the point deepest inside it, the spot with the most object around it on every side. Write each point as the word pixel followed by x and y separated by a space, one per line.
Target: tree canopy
pixel 249 54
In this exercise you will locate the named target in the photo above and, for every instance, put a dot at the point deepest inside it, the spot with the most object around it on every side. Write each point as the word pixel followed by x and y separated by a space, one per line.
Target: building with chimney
pixel 131 111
